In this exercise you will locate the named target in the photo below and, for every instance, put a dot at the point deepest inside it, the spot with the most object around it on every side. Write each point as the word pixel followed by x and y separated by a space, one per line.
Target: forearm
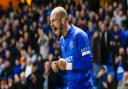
pixel 83 64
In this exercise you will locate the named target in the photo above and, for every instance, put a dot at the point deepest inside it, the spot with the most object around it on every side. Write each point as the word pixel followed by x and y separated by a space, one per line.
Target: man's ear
pixel 63 20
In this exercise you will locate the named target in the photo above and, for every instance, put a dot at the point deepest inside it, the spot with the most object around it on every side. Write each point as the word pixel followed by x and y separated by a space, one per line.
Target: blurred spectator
pixel 28 69
pixel 104 42
pixel 96 48
pixel 45 75
pixel 23 84
pixel 22 59
pixel 43 44
pixel 35 83
pixel 121 64
pixel 11 83
pixel 119 18
pixel 115 41
pixel 3 84
pixel 123 84
pixel 17 67
pixel 101 78
pixel 7 72
pixel 1 66
pixel 110 83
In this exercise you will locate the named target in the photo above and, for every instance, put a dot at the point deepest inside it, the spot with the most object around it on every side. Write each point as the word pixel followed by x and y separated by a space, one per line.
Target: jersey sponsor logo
pixel 69 59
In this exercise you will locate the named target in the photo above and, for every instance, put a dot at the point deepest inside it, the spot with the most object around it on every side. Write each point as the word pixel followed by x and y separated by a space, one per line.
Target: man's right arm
pixel 55 66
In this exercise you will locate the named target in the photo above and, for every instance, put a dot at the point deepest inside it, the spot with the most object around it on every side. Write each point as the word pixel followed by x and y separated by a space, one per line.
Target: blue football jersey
pixel 75 49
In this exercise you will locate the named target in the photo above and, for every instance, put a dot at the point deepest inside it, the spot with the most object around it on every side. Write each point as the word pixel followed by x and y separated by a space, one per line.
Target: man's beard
pixel 126 82
pixel 61 30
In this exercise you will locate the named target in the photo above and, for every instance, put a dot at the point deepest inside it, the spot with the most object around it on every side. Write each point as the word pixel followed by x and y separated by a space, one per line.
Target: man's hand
pixel 55 66
pixel 62 64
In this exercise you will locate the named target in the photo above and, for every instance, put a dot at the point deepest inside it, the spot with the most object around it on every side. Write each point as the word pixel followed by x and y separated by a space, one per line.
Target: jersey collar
pixel 69 31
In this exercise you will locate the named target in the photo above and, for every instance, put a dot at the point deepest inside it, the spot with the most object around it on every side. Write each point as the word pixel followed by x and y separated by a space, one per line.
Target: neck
pixel 66 29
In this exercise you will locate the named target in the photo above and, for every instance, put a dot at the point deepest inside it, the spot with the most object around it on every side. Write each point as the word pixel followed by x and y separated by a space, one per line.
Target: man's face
pixel 56 24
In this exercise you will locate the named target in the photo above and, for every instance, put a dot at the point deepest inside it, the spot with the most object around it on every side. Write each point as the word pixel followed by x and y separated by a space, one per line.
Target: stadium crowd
pixel 28 45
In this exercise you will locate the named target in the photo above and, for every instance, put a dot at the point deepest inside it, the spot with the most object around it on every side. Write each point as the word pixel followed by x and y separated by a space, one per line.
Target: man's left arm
pixel 84 63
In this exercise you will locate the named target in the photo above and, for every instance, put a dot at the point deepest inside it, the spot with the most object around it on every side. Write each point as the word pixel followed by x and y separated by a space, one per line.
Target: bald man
pixel 76 63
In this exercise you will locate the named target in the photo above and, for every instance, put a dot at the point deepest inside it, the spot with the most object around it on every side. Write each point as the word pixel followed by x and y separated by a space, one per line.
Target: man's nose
pixel 51 24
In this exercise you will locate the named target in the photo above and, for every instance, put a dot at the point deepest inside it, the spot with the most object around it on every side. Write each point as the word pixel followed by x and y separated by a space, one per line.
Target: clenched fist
pixel 55 66
pixel 62 65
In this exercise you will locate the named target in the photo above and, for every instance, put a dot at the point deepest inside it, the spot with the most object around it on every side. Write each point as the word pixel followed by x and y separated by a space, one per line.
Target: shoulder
pixel 79 32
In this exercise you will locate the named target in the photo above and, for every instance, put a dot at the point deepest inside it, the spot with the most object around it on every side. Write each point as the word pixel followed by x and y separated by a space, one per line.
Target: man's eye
pixel 53 20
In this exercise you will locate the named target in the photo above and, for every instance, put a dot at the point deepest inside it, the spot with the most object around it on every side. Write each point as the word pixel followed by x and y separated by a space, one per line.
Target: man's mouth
pixel 54 28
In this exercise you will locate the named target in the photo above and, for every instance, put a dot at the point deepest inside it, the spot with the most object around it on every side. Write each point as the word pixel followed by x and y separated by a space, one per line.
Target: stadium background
pixel 28 45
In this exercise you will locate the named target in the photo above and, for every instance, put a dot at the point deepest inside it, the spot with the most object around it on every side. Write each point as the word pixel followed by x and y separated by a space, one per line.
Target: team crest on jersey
pixel 71 44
